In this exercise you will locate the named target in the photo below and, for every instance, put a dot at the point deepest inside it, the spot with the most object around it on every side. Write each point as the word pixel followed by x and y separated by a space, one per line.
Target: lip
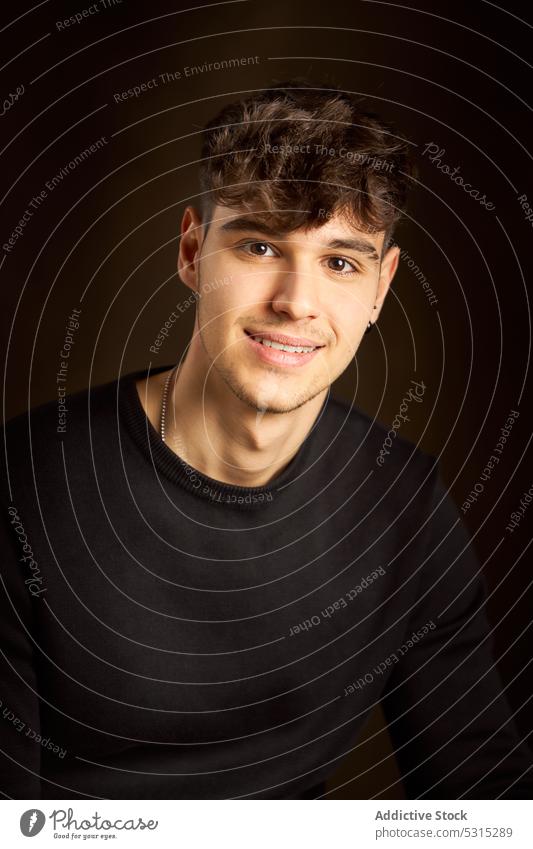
pixel 273 356
pixel 283 339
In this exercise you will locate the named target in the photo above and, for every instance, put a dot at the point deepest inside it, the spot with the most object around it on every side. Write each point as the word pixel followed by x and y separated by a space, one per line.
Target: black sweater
pixel 165 635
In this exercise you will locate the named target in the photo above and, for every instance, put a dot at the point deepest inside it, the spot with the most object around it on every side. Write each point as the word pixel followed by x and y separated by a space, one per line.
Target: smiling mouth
pixel 275 341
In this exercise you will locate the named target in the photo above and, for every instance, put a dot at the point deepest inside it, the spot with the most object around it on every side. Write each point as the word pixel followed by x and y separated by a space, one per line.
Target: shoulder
pixel 47 418
pixel 381 444
pixel 32 441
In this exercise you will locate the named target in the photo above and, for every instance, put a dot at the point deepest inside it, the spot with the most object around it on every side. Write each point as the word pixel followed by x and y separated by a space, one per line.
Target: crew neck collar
pixel 173 467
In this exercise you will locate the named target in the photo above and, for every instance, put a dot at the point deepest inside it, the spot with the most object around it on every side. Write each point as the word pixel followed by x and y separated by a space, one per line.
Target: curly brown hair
pixel 298 153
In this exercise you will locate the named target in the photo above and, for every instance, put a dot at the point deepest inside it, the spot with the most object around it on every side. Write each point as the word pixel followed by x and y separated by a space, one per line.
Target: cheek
pixel 352 308
pixel 218 310
pixel 348 324
pixel 229 299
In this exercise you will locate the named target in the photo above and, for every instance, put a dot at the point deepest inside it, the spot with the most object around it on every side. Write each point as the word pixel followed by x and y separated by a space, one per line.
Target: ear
pixel 190 247
pixel 389 264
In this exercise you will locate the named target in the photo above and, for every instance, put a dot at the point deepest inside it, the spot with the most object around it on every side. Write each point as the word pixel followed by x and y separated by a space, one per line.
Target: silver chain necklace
pixel 164 399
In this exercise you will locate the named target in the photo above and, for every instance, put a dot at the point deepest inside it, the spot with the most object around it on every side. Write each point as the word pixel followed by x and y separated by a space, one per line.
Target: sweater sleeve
pixel 450 722
pixel 20 753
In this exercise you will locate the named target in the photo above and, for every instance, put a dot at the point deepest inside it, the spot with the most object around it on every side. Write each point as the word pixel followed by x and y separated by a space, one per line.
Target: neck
pixel 223 437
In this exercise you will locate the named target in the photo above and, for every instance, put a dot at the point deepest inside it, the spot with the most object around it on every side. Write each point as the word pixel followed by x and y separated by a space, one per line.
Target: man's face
pixel 259 290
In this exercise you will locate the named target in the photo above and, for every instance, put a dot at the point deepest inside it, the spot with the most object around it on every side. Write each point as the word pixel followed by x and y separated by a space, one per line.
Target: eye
pixel 257 249
pixel 339 264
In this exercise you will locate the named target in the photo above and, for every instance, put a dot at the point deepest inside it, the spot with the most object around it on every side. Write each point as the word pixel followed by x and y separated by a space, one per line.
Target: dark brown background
pixel 110 229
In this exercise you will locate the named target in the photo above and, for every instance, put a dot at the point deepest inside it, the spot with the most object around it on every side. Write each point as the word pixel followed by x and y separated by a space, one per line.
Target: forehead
pixel 335 231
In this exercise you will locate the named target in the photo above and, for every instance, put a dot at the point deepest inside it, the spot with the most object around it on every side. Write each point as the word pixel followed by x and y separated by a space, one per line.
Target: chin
pixel 269 398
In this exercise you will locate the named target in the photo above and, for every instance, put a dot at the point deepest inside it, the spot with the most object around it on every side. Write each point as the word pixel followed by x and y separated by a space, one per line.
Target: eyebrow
pixel 247 223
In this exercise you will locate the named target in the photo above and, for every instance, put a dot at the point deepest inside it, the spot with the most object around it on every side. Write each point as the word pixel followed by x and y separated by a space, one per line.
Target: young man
pixel 215 575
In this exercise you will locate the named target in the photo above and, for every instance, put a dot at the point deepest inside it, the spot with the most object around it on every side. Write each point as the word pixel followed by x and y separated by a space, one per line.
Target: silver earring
pixel 370 325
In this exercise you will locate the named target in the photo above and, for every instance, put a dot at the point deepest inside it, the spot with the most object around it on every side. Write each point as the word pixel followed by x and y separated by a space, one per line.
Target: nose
pixel 296 294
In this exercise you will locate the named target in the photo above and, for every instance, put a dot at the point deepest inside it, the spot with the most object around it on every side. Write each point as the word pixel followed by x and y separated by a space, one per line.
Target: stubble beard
pixel 260 401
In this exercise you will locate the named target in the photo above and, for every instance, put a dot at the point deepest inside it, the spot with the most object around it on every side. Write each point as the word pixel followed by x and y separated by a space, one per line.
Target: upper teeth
pixel 300 349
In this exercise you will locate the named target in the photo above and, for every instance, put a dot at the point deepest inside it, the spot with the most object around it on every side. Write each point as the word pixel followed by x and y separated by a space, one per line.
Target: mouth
pixel 280 349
